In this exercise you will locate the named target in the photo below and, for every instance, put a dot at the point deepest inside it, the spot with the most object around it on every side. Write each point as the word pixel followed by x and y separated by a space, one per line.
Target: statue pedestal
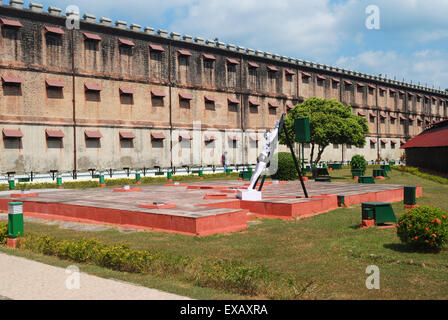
pixel 249 195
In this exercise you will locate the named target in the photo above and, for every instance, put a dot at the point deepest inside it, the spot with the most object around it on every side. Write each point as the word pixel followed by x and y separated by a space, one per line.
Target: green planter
pixel 379 173
pixel 357 173
pixel 379 211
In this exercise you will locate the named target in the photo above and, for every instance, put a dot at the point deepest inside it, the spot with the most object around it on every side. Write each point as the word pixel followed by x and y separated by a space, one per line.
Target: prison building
pixel 112 95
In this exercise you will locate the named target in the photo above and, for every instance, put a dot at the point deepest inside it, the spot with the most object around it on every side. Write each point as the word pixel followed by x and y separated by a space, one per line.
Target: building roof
pixel 435 136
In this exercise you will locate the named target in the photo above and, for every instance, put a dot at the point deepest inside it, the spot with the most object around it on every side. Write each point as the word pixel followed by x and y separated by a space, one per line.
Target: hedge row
pixel 416 172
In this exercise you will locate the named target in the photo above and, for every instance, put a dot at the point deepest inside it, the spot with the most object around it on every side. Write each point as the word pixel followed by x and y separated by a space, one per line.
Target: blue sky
pixel 411 42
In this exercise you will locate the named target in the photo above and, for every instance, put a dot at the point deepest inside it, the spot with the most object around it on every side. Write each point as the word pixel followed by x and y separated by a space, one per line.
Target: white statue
pixel 264 159
pixel 266 154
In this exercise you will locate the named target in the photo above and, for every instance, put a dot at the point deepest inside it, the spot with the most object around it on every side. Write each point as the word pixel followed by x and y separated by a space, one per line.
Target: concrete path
pixel 22 279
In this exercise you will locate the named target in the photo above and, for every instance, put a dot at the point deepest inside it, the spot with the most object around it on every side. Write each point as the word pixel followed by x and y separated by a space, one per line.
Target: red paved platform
pixel 195 209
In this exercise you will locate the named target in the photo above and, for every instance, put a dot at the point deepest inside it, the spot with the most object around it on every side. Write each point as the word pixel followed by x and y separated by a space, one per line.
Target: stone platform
pixel 197 208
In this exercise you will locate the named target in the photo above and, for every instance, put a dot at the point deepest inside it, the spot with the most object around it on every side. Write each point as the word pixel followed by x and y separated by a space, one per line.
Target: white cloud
pixel 299 27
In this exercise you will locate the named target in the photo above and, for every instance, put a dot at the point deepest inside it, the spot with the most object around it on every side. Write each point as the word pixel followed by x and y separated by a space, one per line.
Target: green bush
pixel 424 228
pixel 286 169
pixel 3 233
pixel 358 162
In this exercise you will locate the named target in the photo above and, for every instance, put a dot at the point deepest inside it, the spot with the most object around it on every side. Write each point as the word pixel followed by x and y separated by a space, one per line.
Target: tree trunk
pixel 319 154
pixel 312 155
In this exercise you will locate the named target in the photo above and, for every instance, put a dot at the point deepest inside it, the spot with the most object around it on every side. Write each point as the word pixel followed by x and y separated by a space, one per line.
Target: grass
pixel 326 255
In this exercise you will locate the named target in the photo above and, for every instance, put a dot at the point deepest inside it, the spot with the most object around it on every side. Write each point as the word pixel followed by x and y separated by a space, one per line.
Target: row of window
pixel 90 135
pixel 93 92
pixel 92 38
pixel 402 118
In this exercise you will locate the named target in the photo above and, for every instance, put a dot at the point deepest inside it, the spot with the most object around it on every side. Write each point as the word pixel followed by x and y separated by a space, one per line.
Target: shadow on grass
pixel 405 248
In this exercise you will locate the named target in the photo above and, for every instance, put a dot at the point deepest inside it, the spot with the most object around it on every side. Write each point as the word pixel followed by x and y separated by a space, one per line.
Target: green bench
pixel 366 180
pixel 323 179
pixel 381 212
pixel 386 167
pixel 322 172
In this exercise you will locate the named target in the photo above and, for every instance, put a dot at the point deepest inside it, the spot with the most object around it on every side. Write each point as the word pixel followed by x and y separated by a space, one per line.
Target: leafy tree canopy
pixel 331 122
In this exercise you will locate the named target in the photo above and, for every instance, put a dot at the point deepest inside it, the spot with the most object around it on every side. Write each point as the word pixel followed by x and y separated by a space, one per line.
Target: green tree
pixel 331 122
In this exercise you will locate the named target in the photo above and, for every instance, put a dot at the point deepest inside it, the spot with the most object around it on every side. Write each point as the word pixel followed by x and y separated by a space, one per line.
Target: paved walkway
pixel 22 279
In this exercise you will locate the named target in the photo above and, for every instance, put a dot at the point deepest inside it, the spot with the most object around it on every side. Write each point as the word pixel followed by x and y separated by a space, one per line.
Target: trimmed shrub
pixel 3 233
pixel 358 162
pixel 424 228
pixel 418 173
pixel 229 275
pixel 286 168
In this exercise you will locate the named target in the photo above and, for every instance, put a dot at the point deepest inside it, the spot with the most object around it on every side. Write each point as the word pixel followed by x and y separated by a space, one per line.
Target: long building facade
pixel 112 96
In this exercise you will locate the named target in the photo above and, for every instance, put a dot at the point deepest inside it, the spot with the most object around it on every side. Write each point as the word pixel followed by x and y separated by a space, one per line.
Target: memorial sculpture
pixel 264 159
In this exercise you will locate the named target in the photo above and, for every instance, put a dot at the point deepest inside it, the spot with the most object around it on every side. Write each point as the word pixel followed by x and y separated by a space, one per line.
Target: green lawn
pixel 326 254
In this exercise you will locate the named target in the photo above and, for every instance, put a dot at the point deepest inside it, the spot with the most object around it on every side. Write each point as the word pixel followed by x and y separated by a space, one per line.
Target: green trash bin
pixel 11 183
pixel 101 178
pixel 228 172
pixel 15 220
pixel 169 175
pixel 201 174
pixel 341 201
pixel 410 195
pixel 59 181
pixel 366 180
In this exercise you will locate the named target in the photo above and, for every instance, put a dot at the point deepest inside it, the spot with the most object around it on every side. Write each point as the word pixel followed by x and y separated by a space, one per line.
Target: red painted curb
pixel 158 207
pixel 24 195
pixel 130 190
pixel 367 224
pixel 218 196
